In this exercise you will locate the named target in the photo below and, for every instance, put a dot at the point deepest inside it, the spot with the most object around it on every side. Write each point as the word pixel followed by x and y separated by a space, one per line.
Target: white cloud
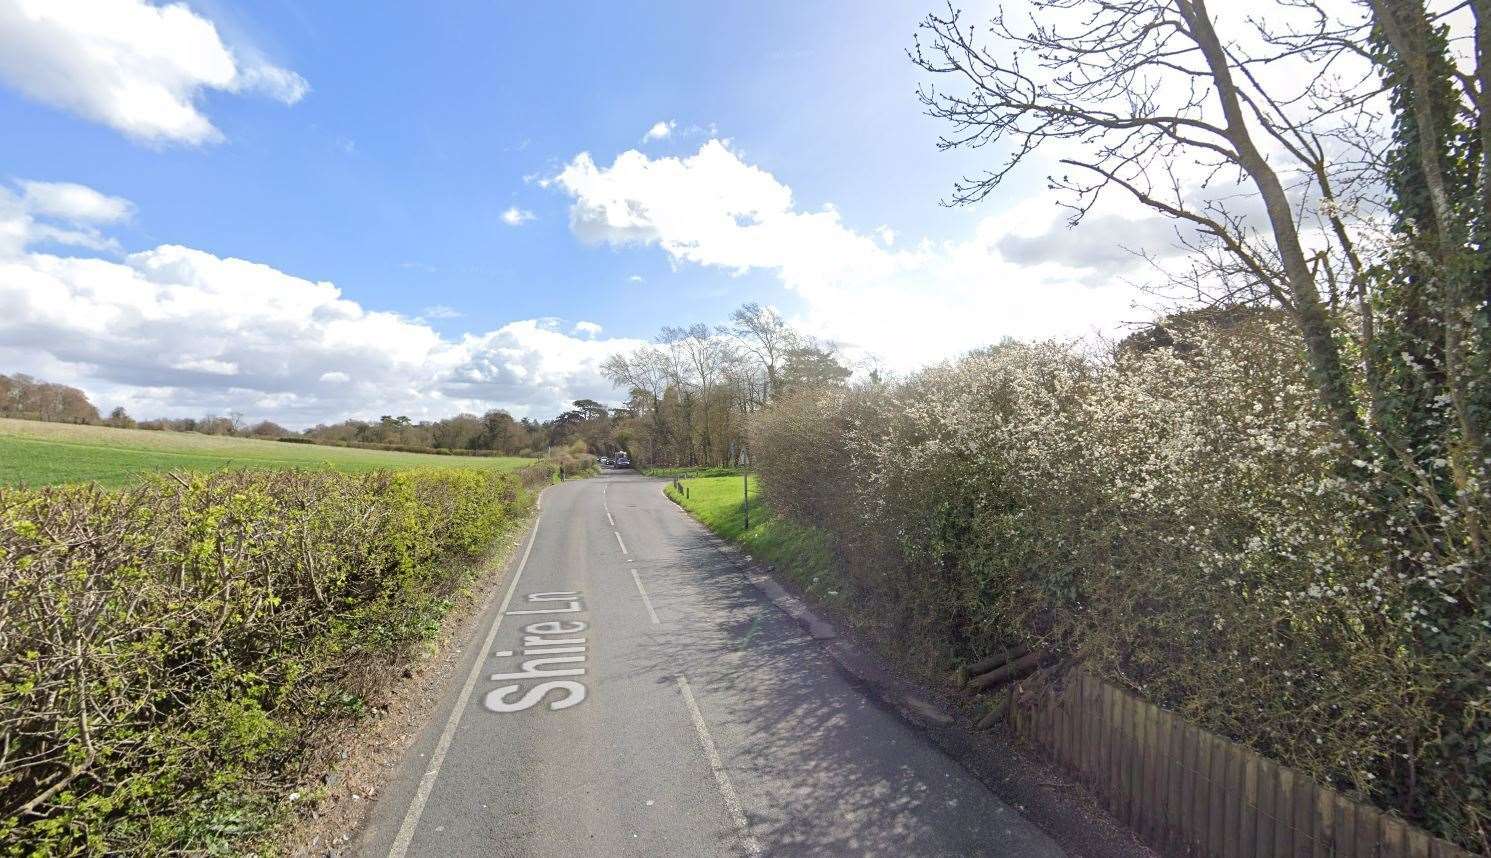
pixel 78 207
pixel 636 278
pixel 176 331
pixel 660 130
pixel 74 202
pixel 589 330
pixel 440 311
pixel 131 65
pixel 886 235
pixel 908 306
pixel 515 216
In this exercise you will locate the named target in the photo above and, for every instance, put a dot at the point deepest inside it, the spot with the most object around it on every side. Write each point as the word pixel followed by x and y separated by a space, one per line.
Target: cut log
pixel 995 713
pixel 1017 669
pixel 998 659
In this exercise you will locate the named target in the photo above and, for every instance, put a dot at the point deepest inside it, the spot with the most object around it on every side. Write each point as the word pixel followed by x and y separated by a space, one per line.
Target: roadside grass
pixel 803 554
pixel 38 454
pixel 694 471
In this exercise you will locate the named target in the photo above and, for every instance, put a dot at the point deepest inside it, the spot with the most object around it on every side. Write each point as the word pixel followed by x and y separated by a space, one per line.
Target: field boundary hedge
pixel 395 448
pixel 173 655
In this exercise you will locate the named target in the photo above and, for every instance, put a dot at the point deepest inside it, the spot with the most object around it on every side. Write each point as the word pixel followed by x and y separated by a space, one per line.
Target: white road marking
pixel 427 783
pixel 646 601
pixel 721 777
pixel 610 519
pixel 619 542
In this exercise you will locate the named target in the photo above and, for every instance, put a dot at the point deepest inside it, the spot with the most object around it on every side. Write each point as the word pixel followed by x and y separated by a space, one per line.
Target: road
pixel 635 695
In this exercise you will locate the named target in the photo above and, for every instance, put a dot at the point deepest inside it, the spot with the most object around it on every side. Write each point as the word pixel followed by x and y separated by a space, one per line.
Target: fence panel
pixel 1187 791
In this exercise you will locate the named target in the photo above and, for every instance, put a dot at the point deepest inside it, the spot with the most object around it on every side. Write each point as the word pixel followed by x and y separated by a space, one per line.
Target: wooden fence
pixel 1187 791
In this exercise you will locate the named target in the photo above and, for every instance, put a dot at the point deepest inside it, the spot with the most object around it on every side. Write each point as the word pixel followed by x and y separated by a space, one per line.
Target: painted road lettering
pixel 549 649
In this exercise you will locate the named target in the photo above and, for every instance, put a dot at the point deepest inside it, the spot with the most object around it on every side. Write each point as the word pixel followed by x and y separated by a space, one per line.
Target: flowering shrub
pixel 1176 518
pixel 172 653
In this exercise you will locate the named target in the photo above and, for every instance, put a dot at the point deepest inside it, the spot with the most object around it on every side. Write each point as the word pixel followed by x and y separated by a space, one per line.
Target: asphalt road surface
pixel 635 695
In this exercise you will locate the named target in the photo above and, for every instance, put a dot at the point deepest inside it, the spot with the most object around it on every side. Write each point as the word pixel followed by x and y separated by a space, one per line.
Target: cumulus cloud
pixel 33 215
pixel 908 306
pixel 74 202
pixel 175 330
pixel 589 330
pixel 131 65
pixel 440 311
pixel 515 216
pixel 660 130
pixel 1101 242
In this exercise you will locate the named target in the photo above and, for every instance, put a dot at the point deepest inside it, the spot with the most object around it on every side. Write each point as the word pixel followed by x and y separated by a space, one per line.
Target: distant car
pixel 623 461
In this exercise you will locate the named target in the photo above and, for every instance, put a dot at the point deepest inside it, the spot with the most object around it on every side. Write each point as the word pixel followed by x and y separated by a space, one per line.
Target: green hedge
pixel 395 448
pixel 172 656
pixel 1178 520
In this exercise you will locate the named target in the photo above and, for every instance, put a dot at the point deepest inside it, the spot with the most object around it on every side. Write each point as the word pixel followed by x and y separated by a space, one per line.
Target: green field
pixel 804 554
pixel 37 454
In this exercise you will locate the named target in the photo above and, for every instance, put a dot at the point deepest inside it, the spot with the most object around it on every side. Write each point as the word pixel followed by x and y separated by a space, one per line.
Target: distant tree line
pixel 497 431
pixel 590 422
pixel 27 398
pixel 692 391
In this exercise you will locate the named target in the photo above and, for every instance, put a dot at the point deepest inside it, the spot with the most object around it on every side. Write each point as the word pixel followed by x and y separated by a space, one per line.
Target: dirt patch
pixel 369 749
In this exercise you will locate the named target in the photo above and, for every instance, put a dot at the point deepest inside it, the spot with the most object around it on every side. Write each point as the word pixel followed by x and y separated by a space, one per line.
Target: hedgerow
pixel 1178 519
pixel 395 448
pixel 173 655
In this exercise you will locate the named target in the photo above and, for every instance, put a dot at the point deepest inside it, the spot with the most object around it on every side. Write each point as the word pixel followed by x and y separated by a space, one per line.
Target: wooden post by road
pixel 746 490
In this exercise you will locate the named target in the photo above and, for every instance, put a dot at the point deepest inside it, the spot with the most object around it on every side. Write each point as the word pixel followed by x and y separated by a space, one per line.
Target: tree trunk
pixel 1315 326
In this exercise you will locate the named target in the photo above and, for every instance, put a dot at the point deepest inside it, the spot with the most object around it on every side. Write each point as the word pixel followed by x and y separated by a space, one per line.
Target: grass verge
pixel 803 554
pixel 695 471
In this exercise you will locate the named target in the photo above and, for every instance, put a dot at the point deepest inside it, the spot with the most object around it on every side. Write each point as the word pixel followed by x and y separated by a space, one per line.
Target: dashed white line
pixel 610 519
pixel 619 542
pixel 646 601
pixel 437 759
pixel 717 765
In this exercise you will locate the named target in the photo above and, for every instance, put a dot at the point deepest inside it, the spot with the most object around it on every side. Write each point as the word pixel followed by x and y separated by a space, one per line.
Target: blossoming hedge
pixel 1176 518
pixel 172 656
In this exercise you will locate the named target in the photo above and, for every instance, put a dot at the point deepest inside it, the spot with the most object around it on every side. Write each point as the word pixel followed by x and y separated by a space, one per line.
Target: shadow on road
pixel 821 768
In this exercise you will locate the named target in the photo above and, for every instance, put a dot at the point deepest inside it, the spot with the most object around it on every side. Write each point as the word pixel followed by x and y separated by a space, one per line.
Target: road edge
pixel 1061 807
pixel 374 747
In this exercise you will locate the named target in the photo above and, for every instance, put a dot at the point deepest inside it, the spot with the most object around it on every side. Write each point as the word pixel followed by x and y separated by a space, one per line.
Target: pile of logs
pixel 998 670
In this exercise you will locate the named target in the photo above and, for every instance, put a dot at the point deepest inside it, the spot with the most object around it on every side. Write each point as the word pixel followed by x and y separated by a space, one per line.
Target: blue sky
pixel 377 149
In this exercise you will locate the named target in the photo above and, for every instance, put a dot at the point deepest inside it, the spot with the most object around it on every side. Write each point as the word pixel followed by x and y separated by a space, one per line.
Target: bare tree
pixel 1146 98
pixel 765 335
pixel 1334 160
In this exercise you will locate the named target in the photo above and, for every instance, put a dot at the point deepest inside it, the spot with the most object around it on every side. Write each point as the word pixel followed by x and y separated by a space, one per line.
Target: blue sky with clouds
pixel 454 169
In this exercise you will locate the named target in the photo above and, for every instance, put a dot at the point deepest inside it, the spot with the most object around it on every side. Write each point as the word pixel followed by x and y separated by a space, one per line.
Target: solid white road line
pixel 646 601
pixel 721 777
pixel 619 542
pixel 427 783
pixel 610 519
